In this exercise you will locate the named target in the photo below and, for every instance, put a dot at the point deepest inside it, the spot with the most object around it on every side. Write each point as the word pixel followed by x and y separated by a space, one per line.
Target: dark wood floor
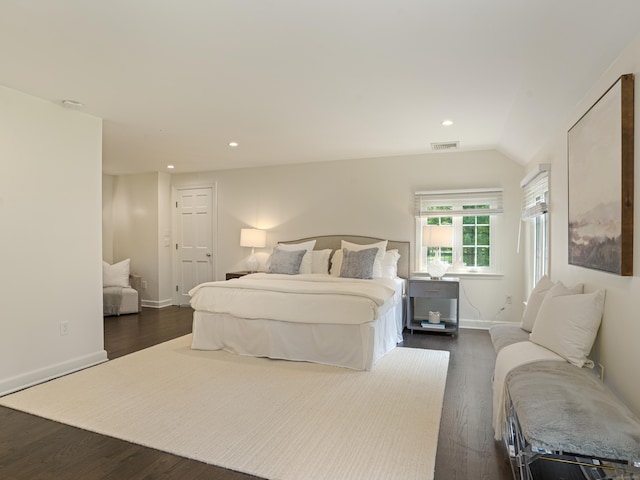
pixel 33 448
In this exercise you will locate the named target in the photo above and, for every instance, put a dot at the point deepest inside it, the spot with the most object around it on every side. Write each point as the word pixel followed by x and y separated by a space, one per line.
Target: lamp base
pixel 437 268
pixel 252 263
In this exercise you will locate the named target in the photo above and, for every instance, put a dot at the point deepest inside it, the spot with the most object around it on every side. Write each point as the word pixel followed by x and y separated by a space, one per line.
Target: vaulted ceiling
pixel 311 80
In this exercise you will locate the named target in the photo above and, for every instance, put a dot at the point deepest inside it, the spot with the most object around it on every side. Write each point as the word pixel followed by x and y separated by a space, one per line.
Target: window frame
pixel 456 199
pixel 535 216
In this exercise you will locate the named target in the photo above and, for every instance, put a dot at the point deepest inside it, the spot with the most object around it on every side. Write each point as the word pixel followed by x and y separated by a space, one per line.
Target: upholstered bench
pixel 506 334
pixel 559 412
pixel 562 417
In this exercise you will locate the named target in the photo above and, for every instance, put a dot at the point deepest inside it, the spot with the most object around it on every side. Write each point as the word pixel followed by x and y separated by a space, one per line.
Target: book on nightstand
pixel 426 324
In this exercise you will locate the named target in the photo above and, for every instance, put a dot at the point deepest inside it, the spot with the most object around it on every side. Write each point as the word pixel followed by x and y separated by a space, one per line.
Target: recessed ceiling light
pixel 72 103
pixel 233 144
pixel 447 123
pixel 170 167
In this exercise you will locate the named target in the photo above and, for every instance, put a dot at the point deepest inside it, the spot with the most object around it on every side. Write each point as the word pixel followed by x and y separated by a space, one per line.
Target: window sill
pixel 463 274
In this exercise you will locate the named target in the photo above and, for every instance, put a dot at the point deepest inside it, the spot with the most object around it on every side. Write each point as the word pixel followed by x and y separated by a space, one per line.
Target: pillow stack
pixel 385 263
pixel 564 320
pixel 307 259
pixel 376 267
pixel 349 262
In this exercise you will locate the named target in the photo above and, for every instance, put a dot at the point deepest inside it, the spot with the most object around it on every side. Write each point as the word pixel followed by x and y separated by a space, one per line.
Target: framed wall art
pixel 600 163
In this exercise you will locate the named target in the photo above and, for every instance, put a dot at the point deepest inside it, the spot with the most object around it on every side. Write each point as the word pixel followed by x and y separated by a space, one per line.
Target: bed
pixel 312 316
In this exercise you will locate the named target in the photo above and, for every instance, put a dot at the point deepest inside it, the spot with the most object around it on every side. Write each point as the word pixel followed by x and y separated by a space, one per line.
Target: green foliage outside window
pixel 476 237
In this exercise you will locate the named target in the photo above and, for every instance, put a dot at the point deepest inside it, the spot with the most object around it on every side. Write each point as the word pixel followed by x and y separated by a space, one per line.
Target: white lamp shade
pixel 252 237
pixel 437 236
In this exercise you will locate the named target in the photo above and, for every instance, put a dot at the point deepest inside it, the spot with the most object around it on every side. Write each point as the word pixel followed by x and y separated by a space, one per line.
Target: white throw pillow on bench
pixel 533 303
pixel 568 324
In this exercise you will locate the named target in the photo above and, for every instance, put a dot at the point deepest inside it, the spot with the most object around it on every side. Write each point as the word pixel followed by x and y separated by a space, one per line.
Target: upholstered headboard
pixel 334 242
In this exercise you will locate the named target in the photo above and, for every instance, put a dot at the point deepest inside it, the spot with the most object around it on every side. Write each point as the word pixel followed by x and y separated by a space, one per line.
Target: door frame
pixel 174 233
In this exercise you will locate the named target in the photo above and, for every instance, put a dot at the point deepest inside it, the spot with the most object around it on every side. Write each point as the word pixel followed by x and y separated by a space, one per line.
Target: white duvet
pixel 312 298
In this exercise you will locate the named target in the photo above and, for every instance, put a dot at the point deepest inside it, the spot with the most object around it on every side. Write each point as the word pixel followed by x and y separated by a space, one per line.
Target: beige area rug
pixel 270 418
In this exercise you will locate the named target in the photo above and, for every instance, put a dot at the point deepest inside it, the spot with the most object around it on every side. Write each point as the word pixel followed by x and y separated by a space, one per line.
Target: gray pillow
pixel 284 261
pixel 358 264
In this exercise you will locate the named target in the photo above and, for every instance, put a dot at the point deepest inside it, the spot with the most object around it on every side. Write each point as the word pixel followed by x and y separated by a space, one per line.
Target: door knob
pixel 208 254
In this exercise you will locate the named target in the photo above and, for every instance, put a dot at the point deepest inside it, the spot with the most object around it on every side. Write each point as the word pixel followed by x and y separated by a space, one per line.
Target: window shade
pixel 425 202
pixel 535 193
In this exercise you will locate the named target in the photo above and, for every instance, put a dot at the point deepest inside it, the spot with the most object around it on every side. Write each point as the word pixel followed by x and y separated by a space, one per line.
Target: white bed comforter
pixel 312 298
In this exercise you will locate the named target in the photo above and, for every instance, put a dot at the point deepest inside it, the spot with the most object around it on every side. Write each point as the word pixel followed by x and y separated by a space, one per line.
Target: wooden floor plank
pixel 32 448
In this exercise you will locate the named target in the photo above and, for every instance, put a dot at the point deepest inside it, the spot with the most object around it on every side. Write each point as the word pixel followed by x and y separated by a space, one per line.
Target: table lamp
pixel 437 236
pixel 252 237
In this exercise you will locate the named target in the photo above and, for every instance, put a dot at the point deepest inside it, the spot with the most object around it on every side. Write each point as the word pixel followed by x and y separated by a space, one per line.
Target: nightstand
pixel 424 295
pixel 242 273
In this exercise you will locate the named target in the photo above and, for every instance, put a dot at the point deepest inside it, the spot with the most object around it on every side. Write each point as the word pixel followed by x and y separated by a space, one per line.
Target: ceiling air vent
pixel 445 145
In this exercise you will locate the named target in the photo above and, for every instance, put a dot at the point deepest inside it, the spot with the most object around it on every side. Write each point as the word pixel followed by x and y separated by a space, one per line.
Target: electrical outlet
pixel 601 367
pixel 144 284
pixel 507 300
pixel 64 328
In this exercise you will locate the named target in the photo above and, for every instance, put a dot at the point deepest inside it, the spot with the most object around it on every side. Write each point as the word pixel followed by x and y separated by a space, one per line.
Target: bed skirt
pixel 351 346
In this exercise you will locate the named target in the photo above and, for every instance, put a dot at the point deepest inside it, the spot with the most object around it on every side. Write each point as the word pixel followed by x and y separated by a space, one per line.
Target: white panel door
pixel 194 247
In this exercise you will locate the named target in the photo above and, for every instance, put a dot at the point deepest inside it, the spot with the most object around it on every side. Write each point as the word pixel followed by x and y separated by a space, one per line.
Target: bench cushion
pixel 506 334
pixel 561 407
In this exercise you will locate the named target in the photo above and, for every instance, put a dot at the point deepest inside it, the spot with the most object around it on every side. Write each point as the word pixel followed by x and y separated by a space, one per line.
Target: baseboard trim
pixel 157 303
pixel 34 377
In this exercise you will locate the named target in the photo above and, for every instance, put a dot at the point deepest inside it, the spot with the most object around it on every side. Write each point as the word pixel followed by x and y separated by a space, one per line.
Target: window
pixel 472 214
pixel 535 209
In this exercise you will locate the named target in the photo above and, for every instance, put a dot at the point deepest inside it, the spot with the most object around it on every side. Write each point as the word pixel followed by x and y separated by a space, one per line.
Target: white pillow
pixel 568 324
pixel 320 261
pixel 390 264
pixel 542 288
pixel 534 302
pixel 116 275
pixel 336 262
pixel 307 261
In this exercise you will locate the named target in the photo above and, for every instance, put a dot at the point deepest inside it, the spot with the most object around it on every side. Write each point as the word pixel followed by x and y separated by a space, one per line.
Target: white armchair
pixel 121 291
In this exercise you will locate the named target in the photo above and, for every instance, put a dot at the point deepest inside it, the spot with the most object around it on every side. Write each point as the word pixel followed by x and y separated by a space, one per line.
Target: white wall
pixel 372 197
pixel 135 227
pixel 141 219
pixel 617 344
pixel 50 240
pixel 107 218
pixel 165 280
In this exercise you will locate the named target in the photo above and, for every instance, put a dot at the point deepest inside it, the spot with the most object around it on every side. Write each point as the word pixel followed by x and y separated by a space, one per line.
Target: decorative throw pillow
pixel 358 264
pixel 534 302
pixel 568 324
pixel 116 275
pixel 382 248
pixel 542 288
pixel 285 261
pixel 307 261
pixel 336 262
pixel 390 264
pixel 320 261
